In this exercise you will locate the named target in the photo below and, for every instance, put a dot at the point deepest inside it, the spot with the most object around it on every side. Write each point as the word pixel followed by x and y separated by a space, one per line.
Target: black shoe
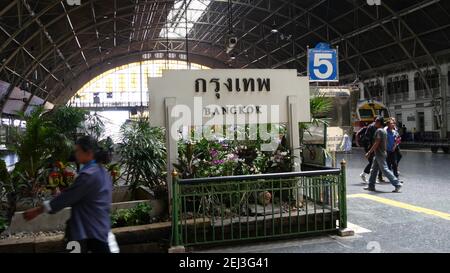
pixel 381 180
pixel 369 188
pixel 397 189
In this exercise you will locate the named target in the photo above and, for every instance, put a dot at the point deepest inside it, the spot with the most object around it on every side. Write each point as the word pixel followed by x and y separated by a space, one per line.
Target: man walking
pixel 378 149
pixel 365 136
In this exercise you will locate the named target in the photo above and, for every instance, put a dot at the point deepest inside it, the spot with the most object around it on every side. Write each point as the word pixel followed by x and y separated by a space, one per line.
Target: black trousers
pixel 392 162
pixel 94 246
pixel 369 165
pixel 398 154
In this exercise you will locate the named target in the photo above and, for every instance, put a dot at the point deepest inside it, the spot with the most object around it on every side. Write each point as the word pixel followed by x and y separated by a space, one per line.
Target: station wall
pixel 409 102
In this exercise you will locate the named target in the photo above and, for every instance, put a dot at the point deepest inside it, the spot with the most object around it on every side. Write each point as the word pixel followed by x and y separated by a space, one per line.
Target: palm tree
pixel 320 106
pixel 142 154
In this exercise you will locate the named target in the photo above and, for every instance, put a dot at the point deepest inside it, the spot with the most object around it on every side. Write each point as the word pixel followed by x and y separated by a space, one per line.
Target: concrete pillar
pixel 339 113
pixel 444 88
pixel 172 148
pixel 293 131
pixel 411 87
pixel 385 98
pixel 294 143
pixel 361 90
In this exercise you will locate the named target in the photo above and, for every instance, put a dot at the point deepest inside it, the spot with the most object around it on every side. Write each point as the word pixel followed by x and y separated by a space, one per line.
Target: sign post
pixel 323 66
pixel 171 143
pixel 323 63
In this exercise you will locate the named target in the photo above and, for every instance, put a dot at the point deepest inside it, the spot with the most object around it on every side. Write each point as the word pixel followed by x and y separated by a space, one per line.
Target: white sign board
pixel 184 98
pixel 222 93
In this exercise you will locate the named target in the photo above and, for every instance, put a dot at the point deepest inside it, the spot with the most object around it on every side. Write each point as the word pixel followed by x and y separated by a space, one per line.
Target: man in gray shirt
pixel 379 162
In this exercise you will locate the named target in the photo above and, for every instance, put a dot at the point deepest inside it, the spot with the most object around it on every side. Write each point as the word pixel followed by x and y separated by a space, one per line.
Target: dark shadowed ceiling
pixel 50 48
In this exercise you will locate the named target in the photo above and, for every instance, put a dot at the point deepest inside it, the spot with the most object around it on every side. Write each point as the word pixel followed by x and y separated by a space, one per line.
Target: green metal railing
pixel 237 208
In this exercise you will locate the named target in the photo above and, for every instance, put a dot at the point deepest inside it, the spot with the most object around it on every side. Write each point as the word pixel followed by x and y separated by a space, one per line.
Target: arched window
pixel 125 84
pixel 432 79
pixel 375 88
pixel 398 85
pixel 419 84
pixel 404 86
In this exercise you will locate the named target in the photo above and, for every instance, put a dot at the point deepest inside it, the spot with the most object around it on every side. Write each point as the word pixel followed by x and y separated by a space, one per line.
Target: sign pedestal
pixel 294 142
pixel 171 143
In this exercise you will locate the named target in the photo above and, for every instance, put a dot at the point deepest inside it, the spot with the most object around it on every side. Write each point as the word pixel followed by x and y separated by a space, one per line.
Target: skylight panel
pixel 176 25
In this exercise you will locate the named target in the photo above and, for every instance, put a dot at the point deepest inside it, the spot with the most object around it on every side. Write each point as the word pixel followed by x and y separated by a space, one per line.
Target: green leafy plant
pixel 319 107
pixel 142 154
pixel 139 215
pixel 5 180
pixel 46 141
pixel 48 138
pixel 3 224
pixel 94 126
pixel 34 148
pixel 68 120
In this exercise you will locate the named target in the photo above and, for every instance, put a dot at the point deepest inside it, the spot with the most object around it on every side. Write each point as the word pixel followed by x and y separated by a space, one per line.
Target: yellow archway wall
pixel 126 83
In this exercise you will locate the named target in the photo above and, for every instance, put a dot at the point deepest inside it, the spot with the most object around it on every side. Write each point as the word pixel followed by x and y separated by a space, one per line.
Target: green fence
pixel 237 208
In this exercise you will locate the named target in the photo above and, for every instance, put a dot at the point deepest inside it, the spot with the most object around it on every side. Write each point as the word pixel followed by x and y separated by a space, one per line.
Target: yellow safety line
pixel 402 205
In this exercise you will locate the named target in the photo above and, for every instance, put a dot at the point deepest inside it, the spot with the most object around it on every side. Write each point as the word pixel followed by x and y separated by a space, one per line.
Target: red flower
pixel 54 174
pixel 68 174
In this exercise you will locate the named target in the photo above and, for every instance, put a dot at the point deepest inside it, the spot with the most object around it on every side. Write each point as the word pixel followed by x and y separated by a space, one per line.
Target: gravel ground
pixel 29 235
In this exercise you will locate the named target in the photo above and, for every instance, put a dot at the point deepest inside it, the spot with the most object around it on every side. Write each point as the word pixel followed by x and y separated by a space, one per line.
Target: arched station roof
pixel 49 47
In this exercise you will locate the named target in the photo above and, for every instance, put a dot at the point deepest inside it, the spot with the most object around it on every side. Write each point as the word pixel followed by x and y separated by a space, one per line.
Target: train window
pixel 365 113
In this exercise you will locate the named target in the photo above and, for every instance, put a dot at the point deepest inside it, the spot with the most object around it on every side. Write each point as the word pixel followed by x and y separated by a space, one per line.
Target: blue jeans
pixel 379 163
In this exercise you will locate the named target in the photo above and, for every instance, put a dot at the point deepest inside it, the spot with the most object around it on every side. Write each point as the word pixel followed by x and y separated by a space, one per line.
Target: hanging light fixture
pixel 232 39
pixel 274 28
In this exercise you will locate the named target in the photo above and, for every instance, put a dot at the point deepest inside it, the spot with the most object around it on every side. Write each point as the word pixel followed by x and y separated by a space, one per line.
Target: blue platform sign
pixel 323 63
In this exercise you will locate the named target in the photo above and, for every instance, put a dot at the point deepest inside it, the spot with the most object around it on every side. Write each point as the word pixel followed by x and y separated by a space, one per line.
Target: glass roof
pixel 178 22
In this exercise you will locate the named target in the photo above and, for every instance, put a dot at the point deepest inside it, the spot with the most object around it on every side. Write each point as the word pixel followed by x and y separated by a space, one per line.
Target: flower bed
pixel 205 158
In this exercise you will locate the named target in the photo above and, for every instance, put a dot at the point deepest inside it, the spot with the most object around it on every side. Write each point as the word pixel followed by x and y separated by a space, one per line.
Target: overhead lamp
pixel 231 43
pixel 274 28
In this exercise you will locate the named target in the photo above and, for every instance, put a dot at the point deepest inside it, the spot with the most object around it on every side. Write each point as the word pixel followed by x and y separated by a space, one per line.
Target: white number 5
pixel 323 59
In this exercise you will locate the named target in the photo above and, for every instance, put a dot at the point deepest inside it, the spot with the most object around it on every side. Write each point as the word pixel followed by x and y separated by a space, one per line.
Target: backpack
pixel 369 134
pixel 360 136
